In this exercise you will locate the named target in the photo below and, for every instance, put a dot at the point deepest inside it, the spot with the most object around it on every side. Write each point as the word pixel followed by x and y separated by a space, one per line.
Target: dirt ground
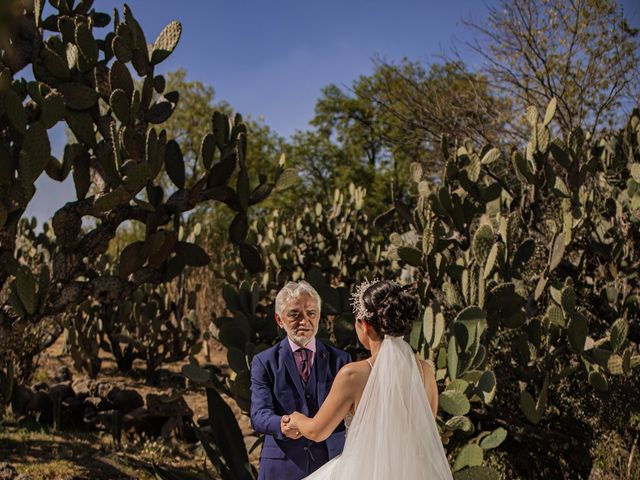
pixel 40 453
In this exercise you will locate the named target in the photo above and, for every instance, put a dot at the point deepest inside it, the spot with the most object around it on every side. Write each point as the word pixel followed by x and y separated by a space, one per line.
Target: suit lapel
pixel 321 364
pixel 290 364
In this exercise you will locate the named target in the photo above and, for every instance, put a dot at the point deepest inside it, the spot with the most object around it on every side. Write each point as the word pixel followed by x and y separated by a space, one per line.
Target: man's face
pixel 300 318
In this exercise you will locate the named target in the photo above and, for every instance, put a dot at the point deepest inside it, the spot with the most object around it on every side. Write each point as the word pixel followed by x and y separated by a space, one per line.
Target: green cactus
pixel 7 382
pixel 577 330
pixel 482 243
pixel 568 299
pixel 327 245
pixel 534 408
pixel 618 334
pixel 115 157
pixel 433 325
pixel 476 473
pixel 461 423
pixel 598 381
pixel 454 402
pixel 471 455
pixel 540 304
pixel 493 439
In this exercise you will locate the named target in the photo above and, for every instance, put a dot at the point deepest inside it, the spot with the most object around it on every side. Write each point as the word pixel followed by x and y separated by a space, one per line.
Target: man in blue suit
pixel 294 375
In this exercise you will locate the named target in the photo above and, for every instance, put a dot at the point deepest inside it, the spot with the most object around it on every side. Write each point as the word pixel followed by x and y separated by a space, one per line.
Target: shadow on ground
pixel 66 456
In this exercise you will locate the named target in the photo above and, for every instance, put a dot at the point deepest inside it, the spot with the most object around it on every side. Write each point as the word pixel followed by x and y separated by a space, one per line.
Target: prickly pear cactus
pixel 330 245
pixel 157 325
pixel 85 82
pixel 527 264
pixel 7 382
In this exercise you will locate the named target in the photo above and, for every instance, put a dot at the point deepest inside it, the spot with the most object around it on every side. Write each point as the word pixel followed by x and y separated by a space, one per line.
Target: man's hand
pixel 287 430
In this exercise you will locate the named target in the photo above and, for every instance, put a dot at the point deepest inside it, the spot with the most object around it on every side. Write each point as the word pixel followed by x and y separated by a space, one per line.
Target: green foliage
pixel 221 438
pixel 117 156
pixel 157 325
pixel 576 62
pixel 331 247
pixel 526 278
pixel 7 382
pixel 395 116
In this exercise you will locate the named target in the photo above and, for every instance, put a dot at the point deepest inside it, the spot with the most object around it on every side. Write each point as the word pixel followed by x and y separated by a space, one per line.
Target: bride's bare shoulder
pixel 355 369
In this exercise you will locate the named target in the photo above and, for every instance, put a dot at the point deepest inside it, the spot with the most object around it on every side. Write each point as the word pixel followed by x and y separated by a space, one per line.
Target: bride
pixel 388 402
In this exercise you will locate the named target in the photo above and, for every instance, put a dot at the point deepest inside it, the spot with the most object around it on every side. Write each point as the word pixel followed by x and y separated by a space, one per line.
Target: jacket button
pixel 308 396
pixel 305 448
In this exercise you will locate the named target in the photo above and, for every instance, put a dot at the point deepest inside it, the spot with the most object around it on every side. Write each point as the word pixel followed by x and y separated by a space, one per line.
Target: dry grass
pixel 614 459
pixel 46 455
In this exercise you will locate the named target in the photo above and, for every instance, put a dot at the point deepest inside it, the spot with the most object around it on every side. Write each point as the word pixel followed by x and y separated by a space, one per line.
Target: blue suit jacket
pixel 276 390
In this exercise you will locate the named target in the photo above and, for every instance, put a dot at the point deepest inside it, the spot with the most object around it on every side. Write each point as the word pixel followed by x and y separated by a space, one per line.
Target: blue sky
pixel 270 58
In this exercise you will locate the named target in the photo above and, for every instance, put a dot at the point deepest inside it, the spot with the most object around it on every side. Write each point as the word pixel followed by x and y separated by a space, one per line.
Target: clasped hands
pixel 289 427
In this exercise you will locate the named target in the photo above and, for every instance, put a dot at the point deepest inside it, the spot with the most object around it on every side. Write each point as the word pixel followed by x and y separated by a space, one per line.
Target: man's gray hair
pixel 294 290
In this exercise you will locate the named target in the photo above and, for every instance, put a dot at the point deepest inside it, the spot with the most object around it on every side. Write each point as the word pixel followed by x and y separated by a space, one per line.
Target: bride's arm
pixel 333 410
pixel 430 386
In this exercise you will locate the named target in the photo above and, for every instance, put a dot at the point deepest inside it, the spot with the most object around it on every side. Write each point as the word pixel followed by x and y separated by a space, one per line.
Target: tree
pixel 421 105
pixel 370 134
pixel 581 52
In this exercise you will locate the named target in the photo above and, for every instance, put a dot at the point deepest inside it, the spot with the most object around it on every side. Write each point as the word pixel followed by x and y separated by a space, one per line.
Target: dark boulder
pixel 125 400
pixel 41 406
pixel 61 391
pixel 20 399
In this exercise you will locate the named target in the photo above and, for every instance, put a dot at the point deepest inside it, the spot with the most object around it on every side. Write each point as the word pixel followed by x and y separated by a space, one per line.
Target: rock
pixel 72 412
pixel 165 406
pixel 84 387
pixel 103 420
pixel 61 391
pixel 20 399
pixel 125 400
pixel 103 389
pixel 97 403
pixel 42 406
pixel 7 472
pixel 141 422
pixel 164 378
pixel 135 420
pixel 63 374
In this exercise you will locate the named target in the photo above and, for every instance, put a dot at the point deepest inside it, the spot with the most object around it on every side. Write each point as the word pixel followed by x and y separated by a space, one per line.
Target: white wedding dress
pixel 393 434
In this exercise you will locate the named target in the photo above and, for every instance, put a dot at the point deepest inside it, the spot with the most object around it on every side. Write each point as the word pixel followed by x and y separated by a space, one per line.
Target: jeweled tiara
pixel 357 302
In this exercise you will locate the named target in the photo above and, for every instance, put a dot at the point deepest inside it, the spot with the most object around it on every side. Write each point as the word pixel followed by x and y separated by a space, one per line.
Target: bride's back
pixel 393 433
pixel 360 371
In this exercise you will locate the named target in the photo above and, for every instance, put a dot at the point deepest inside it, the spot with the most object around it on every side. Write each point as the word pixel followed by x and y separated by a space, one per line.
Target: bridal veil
pixel 393 433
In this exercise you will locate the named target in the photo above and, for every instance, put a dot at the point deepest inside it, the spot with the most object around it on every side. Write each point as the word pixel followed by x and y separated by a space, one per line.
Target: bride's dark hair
pixel 393 308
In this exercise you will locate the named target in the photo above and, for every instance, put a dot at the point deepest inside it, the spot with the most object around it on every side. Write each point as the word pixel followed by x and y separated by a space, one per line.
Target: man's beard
pixel 300 339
